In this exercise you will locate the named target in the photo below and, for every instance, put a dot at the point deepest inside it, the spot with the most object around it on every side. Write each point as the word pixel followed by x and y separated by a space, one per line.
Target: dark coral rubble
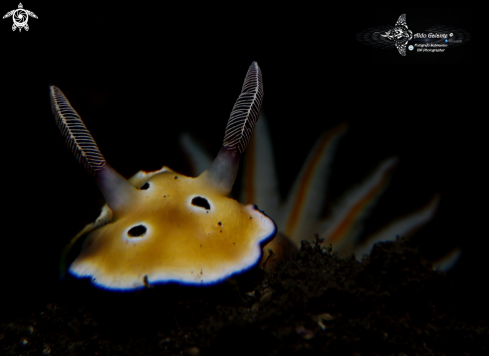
pixel 390 304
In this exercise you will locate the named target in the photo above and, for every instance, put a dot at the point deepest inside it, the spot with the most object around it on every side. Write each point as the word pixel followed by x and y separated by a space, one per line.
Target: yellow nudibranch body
pixel 162 226
pixel 175 229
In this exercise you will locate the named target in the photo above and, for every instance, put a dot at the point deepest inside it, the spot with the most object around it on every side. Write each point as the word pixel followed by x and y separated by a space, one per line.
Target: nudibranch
pixel 162 226
pixel 298 217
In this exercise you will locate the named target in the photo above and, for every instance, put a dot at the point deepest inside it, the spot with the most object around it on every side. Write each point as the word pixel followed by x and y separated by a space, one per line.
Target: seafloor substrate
pixel 390 304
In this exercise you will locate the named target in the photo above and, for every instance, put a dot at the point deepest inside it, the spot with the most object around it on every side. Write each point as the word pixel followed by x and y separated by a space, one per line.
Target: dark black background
pixel 139 76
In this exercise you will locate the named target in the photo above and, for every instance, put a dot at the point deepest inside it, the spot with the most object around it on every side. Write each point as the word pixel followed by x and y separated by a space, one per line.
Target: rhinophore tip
pixel 239 129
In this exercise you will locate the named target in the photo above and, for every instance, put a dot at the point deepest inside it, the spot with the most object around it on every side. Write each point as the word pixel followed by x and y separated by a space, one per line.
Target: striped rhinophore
pixel 75 133
pixel 245 112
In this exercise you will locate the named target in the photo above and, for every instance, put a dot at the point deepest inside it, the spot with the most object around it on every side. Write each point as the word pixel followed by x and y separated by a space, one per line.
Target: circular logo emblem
pixel 20 17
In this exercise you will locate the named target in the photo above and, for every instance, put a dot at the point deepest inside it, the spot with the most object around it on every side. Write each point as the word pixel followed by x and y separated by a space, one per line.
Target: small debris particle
pixel 219 223
pixel 304 333
pixel 146 282
pixel 266 296
pixel 176 177
pixel 46 350
pixel 251 218
pixel 24 341
pixel 326 316
pixel 193 351
pixel 200 245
